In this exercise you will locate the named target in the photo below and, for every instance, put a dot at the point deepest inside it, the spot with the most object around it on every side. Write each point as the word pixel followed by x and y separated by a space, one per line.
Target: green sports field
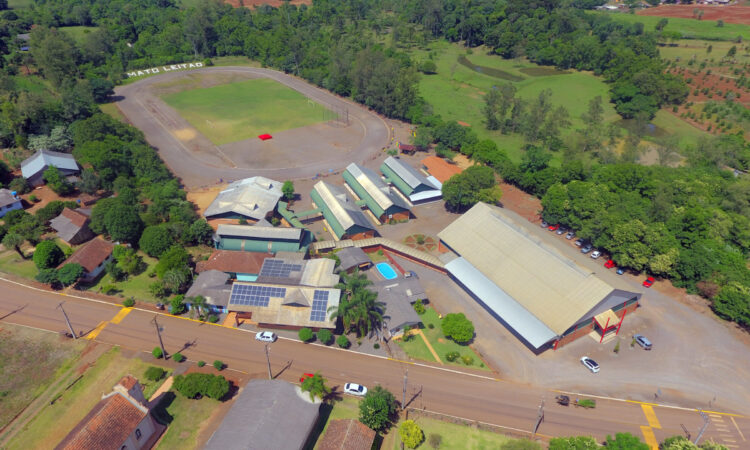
pixel 245 109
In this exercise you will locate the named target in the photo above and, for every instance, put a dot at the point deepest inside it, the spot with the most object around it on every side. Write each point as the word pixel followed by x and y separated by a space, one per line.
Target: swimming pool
pixel 386 270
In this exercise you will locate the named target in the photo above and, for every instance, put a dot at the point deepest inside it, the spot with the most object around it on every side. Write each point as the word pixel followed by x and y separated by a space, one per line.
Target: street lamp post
pixel 158 333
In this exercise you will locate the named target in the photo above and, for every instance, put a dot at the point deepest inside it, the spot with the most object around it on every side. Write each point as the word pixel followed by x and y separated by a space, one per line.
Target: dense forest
pixel 691 224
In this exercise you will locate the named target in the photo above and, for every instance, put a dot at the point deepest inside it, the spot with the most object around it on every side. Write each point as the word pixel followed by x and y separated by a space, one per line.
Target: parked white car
pixel 596 254
pixel 355 389
pixel 590 364
pixel 265 336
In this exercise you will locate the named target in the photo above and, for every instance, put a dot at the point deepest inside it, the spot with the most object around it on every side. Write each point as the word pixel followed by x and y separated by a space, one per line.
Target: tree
pixel 90 182
pixel 174 258
pixel 573 443
pixel 176 279
pixel 288 190
pixel 47 276
pixel 48 255
pixel 123 223
pixel 57 141
pixel 625 441
pixel 377 408
pixel 457 327
pixel 325 336
pixel 316 386
pixel 491 110
pixel 57 182
pixel 358 309
pixel 410 433
pixel 199 232
pixel 14 241
pixel 155 240
pixel 475 184
pixel 69 274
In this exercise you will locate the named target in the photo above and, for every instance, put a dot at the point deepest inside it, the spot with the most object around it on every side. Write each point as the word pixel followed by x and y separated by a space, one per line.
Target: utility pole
pixel 268 361
pixel 403 398
pixel 539 418
pixel 70 327
pixel 158 333
pixel 703 428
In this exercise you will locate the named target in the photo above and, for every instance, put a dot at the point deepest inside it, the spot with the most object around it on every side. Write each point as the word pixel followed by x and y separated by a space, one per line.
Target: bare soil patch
pixel 201 198
pixel 729 14
pixel 717 87
pixel 521 203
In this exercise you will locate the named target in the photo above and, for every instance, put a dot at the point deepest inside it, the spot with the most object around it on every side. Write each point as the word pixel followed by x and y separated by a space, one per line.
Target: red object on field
pixel 265 137
pixel 609 264
pixel 307 375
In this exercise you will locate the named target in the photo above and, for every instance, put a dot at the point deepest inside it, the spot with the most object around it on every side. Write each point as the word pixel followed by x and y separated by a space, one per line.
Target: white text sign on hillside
pixel 169 68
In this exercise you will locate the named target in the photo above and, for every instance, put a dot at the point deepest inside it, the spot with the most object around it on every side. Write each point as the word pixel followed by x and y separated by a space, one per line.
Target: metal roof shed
pixel 251 198
pixel 370 188
pixel 409 180
pixel 343 215
pixel 33 167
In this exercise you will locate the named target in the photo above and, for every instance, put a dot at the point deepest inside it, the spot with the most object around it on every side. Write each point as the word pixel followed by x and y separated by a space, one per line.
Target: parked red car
pixel 610 264
pixel 649 282
pixel 304 376
pixel 553 227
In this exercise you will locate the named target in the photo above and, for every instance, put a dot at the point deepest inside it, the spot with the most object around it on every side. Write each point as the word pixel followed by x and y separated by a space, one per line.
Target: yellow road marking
pixel 121 315
pixel 95 332
pixel 738 429
pixel 653 421
pixel 637 402
pixel 648 436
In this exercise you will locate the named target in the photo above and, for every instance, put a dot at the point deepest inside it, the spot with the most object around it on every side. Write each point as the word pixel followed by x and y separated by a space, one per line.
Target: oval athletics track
pixel 198 162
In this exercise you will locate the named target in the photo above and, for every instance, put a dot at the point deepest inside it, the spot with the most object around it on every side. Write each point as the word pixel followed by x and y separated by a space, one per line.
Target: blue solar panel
pixel 278 268
pixel 251 295
pixel 320 302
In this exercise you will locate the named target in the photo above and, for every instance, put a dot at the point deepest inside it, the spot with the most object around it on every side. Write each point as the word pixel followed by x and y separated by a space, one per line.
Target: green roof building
pixel 380 200
pixel 344 216
pixel 261 238
pixel 410 181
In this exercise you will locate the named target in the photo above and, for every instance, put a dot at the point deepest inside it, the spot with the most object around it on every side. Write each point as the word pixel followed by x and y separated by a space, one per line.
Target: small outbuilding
pixel 353 258
pixel 72 226
pixel 385 204
pixel 33 167
pixel 9 201
pixel 415 186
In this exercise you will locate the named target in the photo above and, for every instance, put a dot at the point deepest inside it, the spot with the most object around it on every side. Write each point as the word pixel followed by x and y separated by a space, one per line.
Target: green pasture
pixel 457 92
pixel 78 33
pixel 688 28
pixel 686 50
pixel 243 110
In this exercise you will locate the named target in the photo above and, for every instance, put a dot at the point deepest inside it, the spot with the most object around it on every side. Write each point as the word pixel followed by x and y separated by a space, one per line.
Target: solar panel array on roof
pixel 250 295
pixel 278 268
pixel 320 302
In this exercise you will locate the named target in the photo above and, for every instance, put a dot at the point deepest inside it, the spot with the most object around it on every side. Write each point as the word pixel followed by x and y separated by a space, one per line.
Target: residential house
pixel 33 167
pixel 9 201
pixel 399 297
pixel 347 434
pixel 93 256
pixel 72 226
pixel 242 266
pixel 215 287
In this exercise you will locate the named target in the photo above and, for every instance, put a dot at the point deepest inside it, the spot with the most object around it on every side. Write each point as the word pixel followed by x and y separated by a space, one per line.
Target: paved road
pixel 200 163
pixel 472 395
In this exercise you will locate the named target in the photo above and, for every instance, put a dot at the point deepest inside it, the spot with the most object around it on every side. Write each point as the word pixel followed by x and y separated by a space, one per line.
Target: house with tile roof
pixel 72 226
pixel 93 256
pixel 121 420
pixel 242 266
pixel 347 434
pixel 33 167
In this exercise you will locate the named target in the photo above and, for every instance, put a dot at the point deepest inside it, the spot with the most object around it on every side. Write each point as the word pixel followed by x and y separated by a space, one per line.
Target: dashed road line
pixel 95 332
pixel 738 429
pixel 653 421
pixel 648 436
pixel 120 315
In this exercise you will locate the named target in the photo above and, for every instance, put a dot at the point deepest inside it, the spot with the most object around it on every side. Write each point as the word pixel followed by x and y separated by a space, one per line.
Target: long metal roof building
pixel 409 180
pixel 370 188
pixel 343 215
pixel 534 289
pixel 259 238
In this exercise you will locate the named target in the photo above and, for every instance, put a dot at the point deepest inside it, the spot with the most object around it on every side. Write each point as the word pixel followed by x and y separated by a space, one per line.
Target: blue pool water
pixel 386 270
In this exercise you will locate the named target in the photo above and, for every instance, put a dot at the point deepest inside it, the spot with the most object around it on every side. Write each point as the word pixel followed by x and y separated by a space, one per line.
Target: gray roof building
pixel 343 215
pixel 251 198
pixel 370 188
pixel 398 296
pixel 8 202
pixel 33 167
pixel 353 258
pixel 409 180
pixel 534 289
pixel 72 226
pixel 268 414
pixel 213 285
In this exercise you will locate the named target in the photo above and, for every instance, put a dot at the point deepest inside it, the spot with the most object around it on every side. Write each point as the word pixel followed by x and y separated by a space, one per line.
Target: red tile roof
pixel 76 218
pixel 128 381
pixel 107 426
pixel 440 168
pixel 347 434
pixel 91 254
pixel 233 261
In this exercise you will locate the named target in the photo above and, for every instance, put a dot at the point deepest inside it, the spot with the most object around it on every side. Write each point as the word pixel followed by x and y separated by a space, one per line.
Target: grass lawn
pixel 112 110
pixel 11 262
pixel 31 83
pixel 17 4
pixel 453 436
pixel 457 92
pixel 672 124
pixel 688 28
pixel 235 61
pixel 377 257
pixel 416 348
pixel 135 286
pixel 52 423
pixel 30 360
pixel 242 110
pixel 78 33
pixel 186 418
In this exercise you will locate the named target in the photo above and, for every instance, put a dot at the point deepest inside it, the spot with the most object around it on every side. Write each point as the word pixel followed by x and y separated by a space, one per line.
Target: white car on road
pixel 590 364
pixel 265 336
pixel 355 389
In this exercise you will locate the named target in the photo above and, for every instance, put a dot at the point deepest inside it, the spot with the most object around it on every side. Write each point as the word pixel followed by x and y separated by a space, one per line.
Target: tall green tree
pixel 377 408
pixel 316 386
pixel 47 255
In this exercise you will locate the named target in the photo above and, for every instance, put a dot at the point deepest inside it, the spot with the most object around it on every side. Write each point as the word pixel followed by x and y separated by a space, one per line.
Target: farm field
pixel 243 110
pixel 30 361
pixel 455 81
pixel 730 14
pixel 688 28
pixel 697 50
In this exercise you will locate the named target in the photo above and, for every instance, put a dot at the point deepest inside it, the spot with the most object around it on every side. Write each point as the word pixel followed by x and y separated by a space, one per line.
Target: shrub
pixel 468 360
pixel 430 326
pixel 376 346
pixel 201 363
pixel 128 302
pixel 435 440
pixel 377 408
pixel 154 373
pixel 47 255
pixel 177 305
pixel 316 386
pixel 218 365
pixel 157 352
pixel 325 336
pixel 179 357
pixel 33 198
pixel 452 356
pixel 213 318
pixel 108 289
pixel 343 341
pixel 306 335
pixel 617 347
pixel 458 327
pixel 195 384
pixel 587 403
pixel 419 307
pixel 410 433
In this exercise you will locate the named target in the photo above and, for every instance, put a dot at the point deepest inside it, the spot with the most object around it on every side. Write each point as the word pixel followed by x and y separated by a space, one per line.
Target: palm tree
pixel 366 312
pixel 350 285
pixel 316 386
pixel 199 303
